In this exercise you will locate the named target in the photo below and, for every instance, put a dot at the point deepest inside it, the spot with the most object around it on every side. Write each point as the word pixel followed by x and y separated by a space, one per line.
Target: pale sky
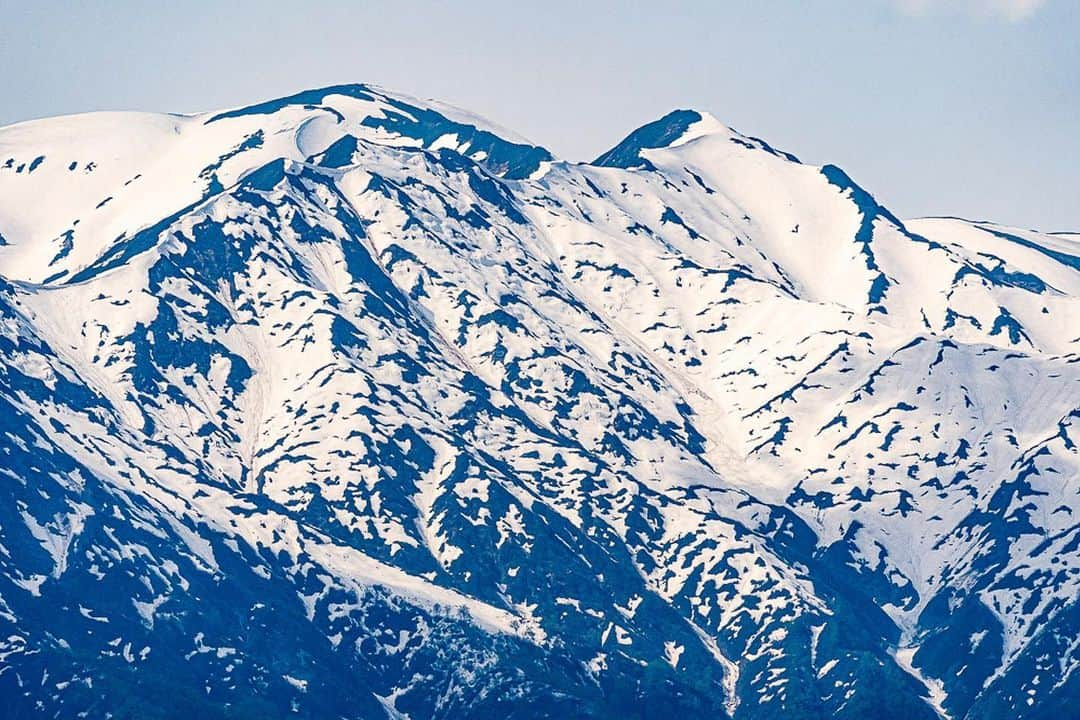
pixel 958 107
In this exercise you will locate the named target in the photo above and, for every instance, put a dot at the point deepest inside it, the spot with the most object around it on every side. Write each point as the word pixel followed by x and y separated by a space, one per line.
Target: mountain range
pixel 354 405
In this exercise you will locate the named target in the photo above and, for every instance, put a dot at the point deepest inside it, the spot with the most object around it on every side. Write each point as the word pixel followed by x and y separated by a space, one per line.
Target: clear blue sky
pixel 965 107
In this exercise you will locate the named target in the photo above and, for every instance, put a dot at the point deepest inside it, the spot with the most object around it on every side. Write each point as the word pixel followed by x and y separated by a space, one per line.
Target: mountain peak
pixel 674 129
pixel 670 130
pixel 430 123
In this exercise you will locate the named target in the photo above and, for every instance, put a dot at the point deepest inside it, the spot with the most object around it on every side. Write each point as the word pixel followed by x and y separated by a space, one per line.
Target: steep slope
pixel 355 405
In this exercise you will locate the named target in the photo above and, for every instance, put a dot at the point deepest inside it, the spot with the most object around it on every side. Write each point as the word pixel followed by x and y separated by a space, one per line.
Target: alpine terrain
pixel 353 405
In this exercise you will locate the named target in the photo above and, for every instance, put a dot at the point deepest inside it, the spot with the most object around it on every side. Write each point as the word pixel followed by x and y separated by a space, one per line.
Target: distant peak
pixel 428 123
pixel 664 132
pixel 306 97
pixel 677 128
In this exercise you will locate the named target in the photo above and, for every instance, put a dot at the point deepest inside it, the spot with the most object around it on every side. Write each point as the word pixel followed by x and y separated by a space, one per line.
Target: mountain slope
pixel 475 432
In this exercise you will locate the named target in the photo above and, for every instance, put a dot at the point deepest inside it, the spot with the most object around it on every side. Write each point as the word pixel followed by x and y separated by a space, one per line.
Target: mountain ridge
pixel 714 432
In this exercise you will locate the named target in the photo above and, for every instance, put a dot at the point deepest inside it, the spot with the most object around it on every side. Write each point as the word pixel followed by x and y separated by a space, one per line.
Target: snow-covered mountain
pixel 352 405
